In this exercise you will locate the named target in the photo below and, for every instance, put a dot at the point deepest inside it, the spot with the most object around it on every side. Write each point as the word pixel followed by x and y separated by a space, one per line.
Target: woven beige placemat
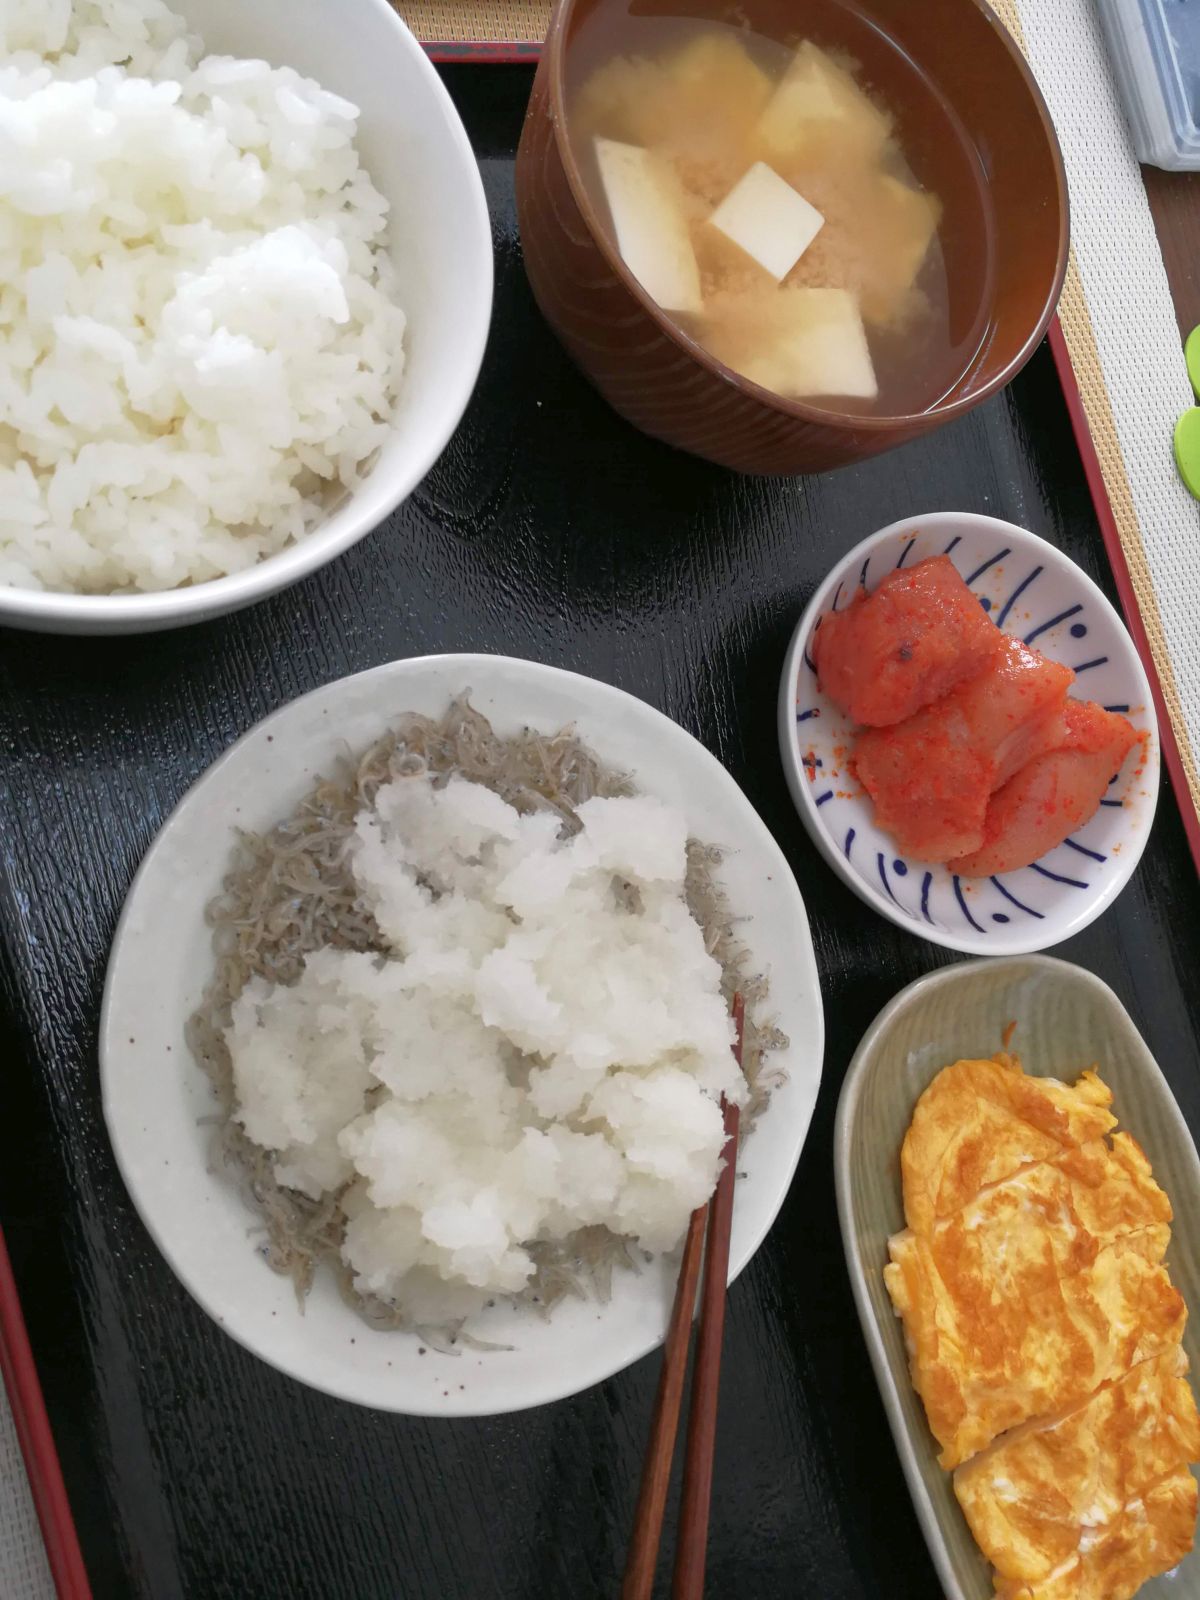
pixel 1118 319
pixel 24 1569
pixel 472 21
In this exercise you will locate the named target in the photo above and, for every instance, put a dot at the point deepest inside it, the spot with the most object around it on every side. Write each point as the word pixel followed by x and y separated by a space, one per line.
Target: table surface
pixel 1175 206
pixel 548 529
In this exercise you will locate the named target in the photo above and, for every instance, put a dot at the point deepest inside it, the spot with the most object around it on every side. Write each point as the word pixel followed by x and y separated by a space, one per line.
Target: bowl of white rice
pixel 246 279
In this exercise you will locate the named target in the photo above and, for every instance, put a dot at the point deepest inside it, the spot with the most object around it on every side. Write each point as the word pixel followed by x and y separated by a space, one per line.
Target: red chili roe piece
pixel 920 634
pixel 1052 795
pixel 931 777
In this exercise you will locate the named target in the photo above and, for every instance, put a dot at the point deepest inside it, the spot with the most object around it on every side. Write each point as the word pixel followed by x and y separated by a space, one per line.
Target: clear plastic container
pixel 1155 49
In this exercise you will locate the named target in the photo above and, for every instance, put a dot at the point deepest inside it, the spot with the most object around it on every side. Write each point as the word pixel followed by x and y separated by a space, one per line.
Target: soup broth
pixel 817 237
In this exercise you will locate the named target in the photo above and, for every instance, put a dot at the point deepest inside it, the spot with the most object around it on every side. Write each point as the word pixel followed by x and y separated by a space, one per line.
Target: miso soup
pixel 818 238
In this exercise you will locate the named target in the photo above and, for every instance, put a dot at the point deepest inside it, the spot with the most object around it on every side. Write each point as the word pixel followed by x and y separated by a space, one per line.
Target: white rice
pixel 200 346
pixel 543 1049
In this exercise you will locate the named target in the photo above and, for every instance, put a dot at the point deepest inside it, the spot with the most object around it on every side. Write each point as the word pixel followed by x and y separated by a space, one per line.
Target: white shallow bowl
pixel 417 152
pixel 155 1095
pixel 1035 593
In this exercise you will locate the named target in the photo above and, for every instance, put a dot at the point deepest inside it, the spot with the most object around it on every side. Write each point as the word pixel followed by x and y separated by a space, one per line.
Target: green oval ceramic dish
pixel 1066 1020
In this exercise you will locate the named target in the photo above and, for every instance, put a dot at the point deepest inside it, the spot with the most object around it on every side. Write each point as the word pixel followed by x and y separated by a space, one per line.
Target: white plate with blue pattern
pixel 1037 594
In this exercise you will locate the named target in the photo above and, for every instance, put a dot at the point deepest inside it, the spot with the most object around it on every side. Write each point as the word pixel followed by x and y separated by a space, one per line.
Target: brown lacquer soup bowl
pixel 976 93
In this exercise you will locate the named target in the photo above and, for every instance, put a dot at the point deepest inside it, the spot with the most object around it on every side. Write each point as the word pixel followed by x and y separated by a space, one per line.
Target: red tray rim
pixel 37 1443
pixel 481 52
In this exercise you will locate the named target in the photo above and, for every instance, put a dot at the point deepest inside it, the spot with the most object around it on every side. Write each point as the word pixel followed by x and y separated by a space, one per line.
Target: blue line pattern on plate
pixel 883 877
pixel 1057 877
pixel 1016 594
pixel 1084 851
pixel 1043 627
pixel 979 572
pixel 960 897
pixel 981 917
pixel 808 660
pixel 1020 904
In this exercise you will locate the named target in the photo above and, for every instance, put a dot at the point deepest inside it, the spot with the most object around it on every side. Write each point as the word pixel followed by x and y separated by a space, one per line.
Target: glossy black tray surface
pixel 549 529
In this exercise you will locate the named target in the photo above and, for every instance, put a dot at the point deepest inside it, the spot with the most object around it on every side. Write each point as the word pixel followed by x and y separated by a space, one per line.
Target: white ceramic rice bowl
pixel 418 155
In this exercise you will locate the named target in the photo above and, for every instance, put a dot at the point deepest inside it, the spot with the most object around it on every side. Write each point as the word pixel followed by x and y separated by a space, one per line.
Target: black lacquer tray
pixel 549 529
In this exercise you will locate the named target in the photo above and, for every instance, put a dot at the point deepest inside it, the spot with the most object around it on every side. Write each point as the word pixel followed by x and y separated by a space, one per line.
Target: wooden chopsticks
pixel 716 1217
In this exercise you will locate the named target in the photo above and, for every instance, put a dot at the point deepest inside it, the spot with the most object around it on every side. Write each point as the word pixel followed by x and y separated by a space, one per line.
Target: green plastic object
pixel 1191 354
pixel 1187 449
